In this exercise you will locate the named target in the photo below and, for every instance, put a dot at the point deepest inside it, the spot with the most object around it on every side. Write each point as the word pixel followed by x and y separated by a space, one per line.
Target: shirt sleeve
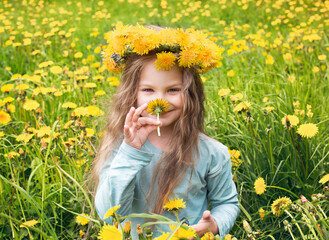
pixel 117 179
pixel 222 194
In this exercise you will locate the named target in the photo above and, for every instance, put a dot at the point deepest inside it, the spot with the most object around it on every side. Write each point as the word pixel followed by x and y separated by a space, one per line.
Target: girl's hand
pixel 207 223
pixel 137 128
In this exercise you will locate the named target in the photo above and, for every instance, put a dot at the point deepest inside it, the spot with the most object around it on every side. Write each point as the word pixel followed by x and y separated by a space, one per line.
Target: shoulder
pixel 212 153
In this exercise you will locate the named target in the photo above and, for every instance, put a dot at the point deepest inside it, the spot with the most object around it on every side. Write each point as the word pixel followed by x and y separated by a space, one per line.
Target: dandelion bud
pixel 127 227
pixel 247 227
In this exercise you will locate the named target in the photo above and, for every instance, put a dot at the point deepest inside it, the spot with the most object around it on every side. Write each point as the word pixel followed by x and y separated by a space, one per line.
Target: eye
pixel 147 90
pixel 174 90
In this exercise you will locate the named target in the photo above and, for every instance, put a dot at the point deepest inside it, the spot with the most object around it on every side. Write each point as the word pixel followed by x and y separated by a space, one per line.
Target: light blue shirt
pixel 126 178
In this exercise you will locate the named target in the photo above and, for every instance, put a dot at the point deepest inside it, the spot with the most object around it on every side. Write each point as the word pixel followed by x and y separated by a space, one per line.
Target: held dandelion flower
pixel 260 186
pixel 157 107
pixel 279 205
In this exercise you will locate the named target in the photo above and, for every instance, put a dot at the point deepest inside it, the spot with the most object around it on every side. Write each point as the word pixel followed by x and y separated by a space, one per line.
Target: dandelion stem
pixel 158 128
pixel 291 234
pixel 300 157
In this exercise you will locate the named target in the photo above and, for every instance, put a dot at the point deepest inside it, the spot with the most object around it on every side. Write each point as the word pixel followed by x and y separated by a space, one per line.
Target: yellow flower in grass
pixel 22 86
pixel 307 130
pixel 109 232
pixel 30 105
pixel 90 85
pixel 279 205
pixel 269 60
pixel 174 205
pixel 165 61
pixel 261 212
pixel 210 236
pixel 292 119
pixel 100 93
pixel 56 70
pixel 78 55
pixel 8 99
pixel 242 106
pixel 224 91
pixel 2 134
pixel 4 117
pixel 7 87
pixel 183 233
pixel 236 97
pixel 30 223
pixel 235 157
pixel 260 186
pixel 69 105
pixel 25 137
pixel 95 111
pixel 82 220
pixel 269 109
pixel 164 236
pixel 45 130
pixel 110 212
pixel 324 179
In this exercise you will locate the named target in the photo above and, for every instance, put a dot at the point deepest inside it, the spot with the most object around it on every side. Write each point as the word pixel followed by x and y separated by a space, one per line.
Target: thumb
pixel 206 215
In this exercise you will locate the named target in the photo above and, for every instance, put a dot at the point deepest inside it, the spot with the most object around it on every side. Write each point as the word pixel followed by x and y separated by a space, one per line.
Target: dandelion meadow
pixel 267 102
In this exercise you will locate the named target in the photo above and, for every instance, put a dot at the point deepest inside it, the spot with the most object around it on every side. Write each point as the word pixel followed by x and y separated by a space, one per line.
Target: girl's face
pixel 167 85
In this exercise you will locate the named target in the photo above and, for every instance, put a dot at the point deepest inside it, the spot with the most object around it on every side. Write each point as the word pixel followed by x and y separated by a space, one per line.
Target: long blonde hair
pixel 172 166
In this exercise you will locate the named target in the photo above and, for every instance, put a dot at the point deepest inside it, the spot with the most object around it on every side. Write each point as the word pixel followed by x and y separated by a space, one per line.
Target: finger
pixel 149 121
pixel 126 132
pixel 129 116
pixel 139 111
pixel 206 215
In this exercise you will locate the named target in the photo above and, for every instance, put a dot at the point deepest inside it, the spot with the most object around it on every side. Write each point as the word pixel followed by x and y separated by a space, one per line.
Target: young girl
pixel 140 170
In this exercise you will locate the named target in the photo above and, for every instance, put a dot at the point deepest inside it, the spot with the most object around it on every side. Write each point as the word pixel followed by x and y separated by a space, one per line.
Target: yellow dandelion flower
pixel 22 86
pixel 12 154
pixel 260 186
pixel 30 105
pixel 100 93
pixel 224 91
pixel 261 212
pixel 68 124
pixel 8 99
pixel 164 236
pixel 95 111
pixel 183 233
pixel 269 109
pixel 56 70
pixel 324 179
pixel 90 132
pixel 4 117
pixel 2 134
pixel 230 73
pixel 80 111
pixel 7 87
pixel 165 61
pixel 157 107
pixel 69 105
pixel 90 85
pixel 127 227
pixel 322 57
pixel 210 236
pixel 25 137
pixel 78 55
pixel 265 99
pixel 30 223
pixel 315 69
pixel 269 60
pixel 81 219
pixel 236 97
pixel 292 119
pixel 81 233
pixel 235 157
pixel 242 106
pixel 228 237
pixel 45 130
pixel 110 212
pixel 307 130
pixel 109 232
pixel 187 58
pixel 279 205
pixel 174 205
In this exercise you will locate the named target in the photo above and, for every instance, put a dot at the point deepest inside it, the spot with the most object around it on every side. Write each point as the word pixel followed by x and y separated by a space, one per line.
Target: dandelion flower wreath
pixel 186 47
